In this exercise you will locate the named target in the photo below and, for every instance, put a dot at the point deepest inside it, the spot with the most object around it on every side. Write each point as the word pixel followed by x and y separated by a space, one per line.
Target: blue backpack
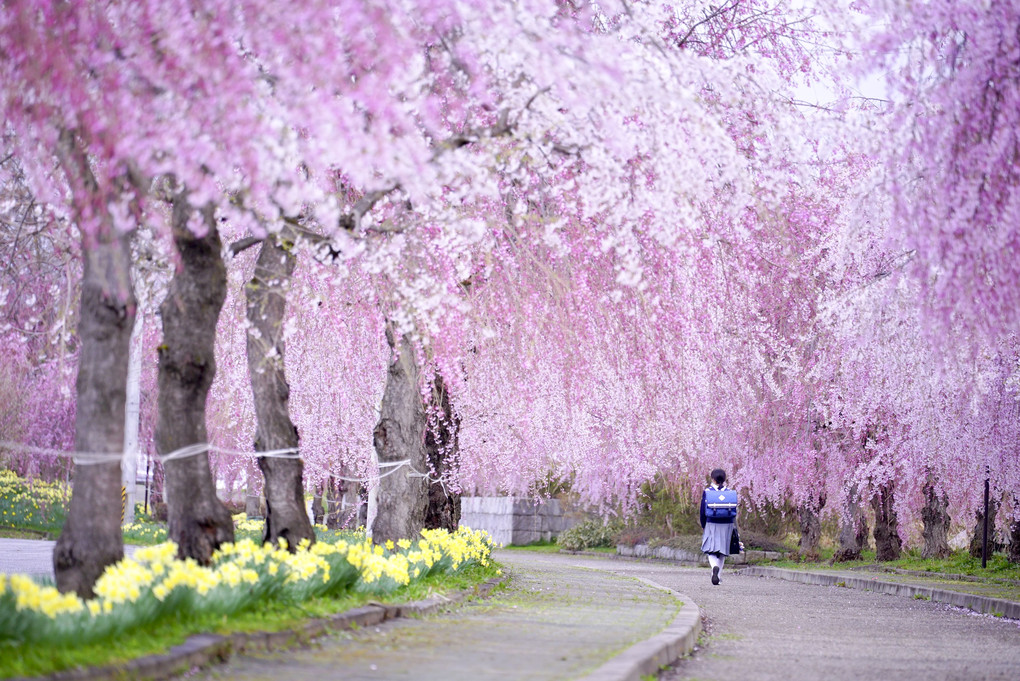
pixel 721 503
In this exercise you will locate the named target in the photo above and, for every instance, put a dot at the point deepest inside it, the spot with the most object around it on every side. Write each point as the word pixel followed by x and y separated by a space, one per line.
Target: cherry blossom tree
pixel 610 232
pixel 947 172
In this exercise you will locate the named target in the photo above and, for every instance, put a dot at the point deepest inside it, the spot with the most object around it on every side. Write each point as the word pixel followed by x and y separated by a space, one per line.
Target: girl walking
pixel 718 518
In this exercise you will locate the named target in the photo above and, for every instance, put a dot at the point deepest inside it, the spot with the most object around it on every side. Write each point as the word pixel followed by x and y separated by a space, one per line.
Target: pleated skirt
pixel 716 538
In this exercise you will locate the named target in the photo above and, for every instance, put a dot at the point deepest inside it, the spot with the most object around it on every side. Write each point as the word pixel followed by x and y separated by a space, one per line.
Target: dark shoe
pixel 715 576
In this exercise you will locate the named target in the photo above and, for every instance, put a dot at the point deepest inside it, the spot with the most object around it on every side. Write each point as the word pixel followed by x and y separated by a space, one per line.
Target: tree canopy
pixel 616 230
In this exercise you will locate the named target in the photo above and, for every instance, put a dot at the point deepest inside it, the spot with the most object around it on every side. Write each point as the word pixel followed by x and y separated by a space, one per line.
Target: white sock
pixel 715 561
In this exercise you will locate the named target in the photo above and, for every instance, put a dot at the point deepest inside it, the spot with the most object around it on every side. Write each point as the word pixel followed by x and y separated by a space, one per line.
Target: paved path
pixel 556 621
pixel 31 556
pixel 762 629
pixel 27 556
pixel 567 614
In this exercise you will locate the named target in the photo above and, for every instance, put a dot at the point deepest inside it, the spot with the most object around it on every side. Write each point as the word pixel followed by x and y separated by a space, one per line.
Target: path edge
pixel 204 650
pixel 647 657
pixel 981 604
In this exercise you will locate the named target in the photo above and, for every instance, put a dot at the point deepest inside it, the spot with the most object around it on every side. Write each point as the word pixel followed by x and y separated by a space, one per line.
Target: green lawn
pixel 960 572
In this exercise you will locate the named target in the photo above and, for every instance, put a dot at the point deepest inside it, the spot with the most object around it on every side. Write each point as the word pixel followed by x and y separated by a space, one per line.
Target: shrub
pixel 633 535
pixel 590 534
pixel 761 542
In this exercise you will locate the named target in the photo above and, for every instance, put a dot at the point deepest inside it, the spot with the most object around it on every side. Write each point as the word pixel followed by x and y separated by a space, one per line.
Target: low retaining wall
pixel 511 520
pixel 685 556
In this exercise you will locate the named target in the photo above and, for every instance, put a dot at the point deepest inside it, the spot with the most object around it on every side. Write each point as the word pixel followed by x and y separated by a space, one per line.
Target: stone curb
pixel 647 657
pixel 981 604
pixel 941 575
pixel 203 650
pixel 692 557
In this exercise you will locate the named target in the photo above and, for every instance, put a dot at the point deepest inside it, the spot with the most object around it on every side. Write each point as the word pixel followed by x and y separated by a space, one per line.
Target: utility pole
pixel 132 411
pixel 984 531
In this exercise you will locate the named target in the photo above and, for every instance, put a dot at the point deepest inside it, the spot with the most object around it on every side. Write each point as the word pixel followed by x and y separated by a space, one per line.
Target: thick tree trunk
pixel 935 517
pixel 198 520
pixel 853 533
pixel 400 436
pixel 443 510
pixel 286 517
pixel 887 536
pixel 979 524
pixel 810 528
pixel 91 538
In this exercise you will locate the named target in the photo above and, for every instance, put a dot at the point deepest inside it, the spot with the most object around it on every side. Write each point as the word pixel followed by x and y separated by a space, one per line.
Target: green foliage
pixel 666 506
pixel 960 563
pixel 590 534
pixel 999 569
pixel 668 516
pixel 540 546
pixel 145 532
pixel 762 542
pixel 768 519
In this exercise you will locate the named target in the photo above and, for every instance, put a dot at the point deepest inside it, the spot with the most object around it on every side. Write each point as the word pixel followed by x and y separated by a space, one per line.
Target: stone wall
pixel 511 520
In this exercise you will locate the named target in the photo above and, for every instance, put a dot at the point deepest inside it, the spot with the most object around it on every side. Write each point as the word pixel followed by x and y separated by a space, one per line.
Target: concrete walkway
pixel 758 629
pixel 557 620
pixel 32 557
pixel 764 629
pixel 27 557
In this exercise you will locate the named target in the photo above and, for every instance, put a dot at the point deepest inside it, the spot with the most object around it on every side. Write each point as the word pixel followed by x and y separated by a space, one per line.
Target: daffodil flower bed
pixel 32 504
pixel 155 586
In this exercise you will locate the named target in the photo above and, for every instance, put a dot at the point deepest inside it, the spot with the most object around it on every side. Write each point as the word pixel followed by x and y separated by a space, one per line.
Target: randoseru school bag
pixel 721 503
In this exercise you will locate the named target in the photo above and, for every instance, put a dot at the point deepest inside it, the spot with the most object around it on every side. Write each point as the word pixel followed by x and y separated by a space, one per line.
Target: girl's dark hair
pixel 719 475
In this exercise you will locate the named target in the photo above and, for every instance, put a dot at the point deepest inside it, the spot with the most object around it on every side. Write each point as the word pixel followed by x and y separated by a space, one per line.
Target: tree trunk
pixel 286 517
pixel 334 503
pixel 887 537
pixel 853 532
pixel 354 505
pixel 198 520
pixel 400 436
pixel 443 510
pixel 810 528
pixel 979 524
pixel 254 499
pixel 1014 536
pixel 318 510
pixel 936 522
pixel 91 537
